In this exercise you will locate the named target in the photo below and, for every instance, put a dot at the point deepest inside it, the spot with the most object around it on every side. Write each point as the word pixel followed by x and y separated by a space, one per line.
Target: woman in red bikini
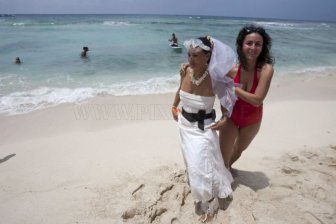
pixel 252 77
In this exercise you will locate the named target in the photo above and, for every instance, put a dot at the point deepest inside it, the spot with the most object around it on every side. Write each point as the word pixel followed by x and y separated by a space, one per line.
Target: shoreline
pixel 25 102
pixel 97 166
pixel 107 111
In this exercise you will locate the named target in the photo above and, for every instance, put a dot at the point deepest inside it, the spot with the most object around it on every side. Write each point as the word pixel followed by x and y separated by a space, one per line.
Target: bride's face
pixel 197 58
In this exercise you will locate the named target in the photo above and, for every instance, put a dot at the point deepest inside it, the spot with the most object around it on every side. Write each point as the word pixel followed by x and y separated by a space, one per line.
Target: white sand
pixel 114 156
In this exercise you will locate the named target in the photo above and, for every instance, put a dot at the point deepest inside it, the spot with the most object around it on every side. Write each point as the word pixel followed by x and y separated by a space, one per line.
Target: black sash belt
pixel 199 117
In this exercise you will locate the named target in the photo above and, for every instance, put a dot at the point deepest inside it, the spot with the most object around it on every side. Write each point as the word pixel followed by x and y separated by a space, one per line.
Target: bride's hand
pixel 218 125
pixel 175 111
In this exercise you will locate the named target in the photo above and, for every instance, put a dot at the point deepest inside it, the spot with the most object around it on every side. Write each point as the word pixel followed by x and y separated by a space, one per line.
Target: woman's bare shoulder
pixel 267 68
pixel 266 72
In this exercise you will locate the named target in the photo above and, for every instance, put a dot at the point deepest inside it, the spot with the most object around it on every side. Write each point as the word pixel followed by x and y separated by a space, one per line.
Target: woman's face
pixel 252 46
pixel 197 58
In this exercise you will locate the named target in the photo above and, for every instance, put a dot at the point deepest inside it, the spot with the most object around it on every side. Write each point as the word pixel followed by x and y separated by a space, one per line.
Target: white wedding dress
pixel 207 175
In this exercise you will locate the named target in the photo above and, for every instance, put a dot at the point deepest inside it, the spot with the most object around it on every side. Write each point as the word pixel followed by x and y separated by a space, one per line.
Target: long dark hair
pixel 265 56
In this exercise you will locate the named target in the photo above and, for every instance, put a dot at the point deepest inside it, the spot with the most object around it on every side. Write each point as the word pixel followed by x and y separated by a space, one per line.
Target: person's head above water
pixel 17 60
pixel 84 52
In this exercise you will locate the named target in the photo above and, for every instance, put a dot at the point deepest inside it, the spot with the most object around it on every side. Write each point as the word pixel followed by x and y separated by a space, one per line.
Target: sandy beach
pixel 118 160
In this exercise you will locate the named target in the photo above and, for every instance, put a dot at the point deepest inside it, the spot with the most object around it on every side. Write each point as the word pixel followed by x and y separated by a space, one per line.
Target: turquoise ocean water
pixel 130 54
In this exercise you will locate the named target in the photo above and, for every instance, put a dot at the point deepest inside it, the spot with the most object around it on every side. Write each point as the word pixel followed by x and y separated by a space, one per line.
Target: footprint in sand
pixel 181 194
pixel 173 220
pixel 294 158
pixel 165 187
pixel 130 213
pixel 161 201
pixel 309 155
pixel 136 191
pixel 179 176
pixel 291 171
pixel 155 213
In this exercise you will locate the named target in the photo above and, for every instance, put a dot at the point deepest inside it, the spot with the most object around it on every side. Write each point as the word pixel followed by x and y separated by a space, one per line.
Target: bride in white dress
pixel 201 79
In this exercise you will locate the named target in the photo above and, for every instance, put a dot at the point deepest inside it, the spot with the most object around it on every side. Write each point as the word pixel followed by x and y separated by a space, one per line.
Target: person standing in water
pixel 17 61
pixel 84 52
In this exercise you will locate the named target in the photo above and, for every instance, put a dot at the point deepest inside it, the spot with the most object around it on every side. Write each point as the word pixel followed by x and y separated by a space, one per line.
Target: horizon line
pixel 155 14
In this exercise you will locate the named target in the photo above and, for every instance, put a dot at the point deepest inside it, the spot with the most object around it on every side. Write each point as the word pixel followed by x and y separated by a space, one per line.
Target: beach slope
pixel 117 160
